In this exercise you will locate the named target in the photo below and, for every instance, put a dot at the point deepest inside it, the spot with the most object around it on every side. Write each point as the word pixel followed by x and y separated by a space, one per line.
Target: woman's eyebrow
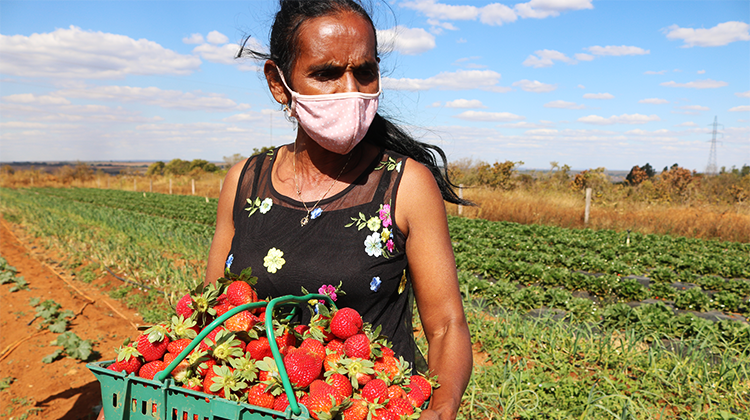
pixel 330 66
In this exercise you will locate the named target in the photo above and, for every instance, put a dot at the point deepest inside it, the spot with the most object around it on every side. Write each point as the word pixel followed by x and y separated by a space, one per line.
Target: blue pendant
pixel 315 213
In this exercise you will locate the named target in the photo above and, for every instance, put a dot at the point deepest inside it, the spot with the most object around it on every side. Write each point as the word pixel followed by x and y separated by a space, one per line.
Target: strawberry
pixel 335 346
pixel 285 340
pixel 242 321
pixel 209 380
pixel 176 347
pixel 152 345
pixel 357 346
pixel 396 391
pixel 240 293
pixel 210 339
pixel 388 367
pixel 318 405
pixel 400 406
pixel 358 410
pixel 345 323
pixel 302 368
pixel 194 383
pixel 359 371
pixel 387 351
pixel 150 369
pixel 185 306
pixel 375 391
pixel 423 384
pixel 416 397
pixel 259 349
pixel 281 403
pixel 314 347
pixel 183 328
pixel 385 414
pixel 128 360
pixel 331 362
pixel 257 395
pixel 222 305
pixel 341 385
pixel 321 387
pixel 206 366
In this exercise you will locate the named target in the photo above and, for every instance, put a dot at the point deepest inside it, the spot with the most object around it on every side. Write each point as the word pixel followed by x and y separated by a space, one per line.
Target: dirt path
pixel 64 389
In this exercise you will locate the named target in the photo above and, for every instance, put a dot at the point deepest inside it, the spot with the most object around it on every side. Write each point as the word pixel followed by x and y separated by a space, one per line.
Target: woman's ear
pixel 277 88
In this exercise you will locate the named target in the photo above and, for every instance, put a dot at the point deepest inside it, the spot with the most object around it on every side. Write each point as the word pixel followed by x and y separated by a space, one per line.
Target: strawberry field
pixel 565 323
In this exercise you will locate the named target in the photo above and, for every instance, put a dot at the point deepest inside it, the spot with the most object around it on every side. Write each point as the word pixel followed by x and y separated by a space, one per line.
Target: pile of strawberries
pixel 337 364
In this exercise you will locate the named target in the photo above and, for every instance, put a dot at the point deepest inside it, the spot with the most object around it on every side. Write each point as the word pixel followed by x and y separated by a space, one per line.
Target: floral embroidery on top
pixel 264 206
pixel 380 242
pixel 274 260
pixel 390 165
pixel 375 284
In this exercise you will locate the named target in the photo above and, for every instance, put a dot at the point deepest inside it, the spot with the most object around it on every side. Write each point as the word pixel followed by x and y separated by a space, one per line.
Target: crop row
pixel 181 207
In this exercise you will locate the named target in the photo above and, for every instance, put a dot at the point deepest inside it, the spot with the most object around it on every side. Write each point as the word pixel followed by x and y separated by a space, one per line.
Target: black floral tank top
pixel 351 239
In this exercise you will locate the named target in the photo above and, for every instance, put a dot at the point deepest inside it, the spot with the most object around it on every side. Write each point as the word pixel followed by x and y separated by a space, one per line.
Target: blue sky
pixel 585 83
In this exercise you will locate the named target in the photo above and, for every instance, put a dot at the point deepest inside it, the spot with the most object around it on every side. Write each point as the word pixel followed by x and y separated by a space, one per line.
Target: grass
pixel 565 209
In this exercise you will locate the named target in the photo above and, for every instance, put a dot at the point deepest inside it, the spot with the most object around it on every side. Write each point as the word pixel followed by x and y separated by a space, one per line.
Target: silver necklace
pixel 316 211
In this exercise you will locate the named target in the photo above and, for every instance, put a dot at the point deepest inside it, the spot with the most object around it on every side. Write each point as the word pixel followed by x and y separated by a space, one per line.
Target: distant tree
pixel 156 168
pixel 233 160
pixel 499 175
pixel 7 170
pixel 177 167
pixel 639 174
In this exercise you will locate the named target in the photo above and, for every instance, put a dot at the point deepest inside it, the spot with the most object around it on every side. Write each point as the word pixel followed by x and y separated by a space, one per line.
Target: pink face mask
pixel 338 121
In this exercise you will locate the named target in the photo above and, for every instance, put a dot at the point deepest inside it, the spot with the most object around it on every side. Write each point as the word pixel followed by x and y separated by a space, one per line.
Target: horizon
pixel 585 83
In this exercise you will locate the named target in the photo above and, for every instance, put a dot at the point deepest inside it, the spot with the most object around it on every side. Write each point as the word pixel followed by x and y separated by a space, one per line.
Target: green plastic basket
pixel 131 397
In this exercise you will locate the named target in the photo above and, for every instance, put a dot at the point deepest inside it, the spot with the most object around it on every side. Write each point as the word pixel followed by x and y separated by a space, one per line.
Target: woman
pixel 349 200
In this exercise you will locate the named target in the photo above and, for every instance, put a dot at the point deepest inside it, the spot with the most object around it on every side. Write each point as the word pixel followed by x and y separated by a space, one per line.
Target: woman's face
pixel 337 54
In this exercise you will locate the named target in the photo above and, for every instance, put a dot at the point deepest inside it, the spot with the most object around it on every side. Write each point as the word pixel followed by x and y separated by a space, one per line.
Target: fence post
pixel 170 186
pixel 135 186
pixel 193 183
pixel 32 181
pixel 150 185
pixel 461 196
pixel 588 207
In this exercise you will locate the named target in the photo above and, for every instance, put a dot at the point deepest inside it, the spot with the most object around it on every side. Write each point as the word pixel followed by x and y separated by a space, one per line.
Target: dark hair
pixel 283 49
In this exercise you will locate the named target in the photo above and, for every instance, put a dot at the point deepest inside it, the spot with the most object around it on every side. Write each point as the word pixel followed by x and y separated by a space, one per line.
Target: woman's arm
pixel 222 241
pixel 420 213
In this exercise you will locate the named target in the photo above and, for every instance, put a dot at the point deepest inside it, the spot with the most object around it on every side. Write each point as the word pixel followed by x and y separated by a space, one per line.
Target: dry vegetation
pixel 675 201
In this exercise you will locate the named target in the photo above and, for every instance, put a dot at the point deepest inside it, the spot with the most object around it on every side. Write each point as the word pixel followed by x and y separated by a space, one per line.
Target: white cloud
pixel 581 87
pixel 743 94
pixel 216 38
pixel 488 116
pixel 583 57
pixel 687 124
pixel 598 96
pixel 496 14
pixel 546 58
pixel 540 9
pixel 535 86
pixel 458 80
pixel 701 72
pixel 31 99
pixel 695 108
pixel 222 54
pixel 654 101
pixel 438 26
pixel 542 132
pixel 75 53
pixel 619 119
pixel 171 99
pixel 720 35
pixel 409 41
pixel 465 103
pixel 525 124
pixel 564 105
pixel 655 72
pixel 435 10
pixel 741 108
pixel 613 50
pixel 698 84
pixel 193 39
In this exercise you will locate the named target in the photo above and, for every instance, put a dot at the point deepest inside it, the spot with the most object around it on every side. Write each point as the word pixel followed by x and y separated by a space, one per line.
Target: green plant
pixel 692 299
pixel 662 291
pixel 726 301
pixel 631 290
pixel 73 347
pixel 52 317
pixel 6 382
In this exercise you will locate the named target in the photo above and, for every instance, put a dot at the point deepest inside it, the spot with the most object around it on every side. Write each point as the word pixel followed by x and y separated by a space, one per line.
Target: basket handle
pixel 296 410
